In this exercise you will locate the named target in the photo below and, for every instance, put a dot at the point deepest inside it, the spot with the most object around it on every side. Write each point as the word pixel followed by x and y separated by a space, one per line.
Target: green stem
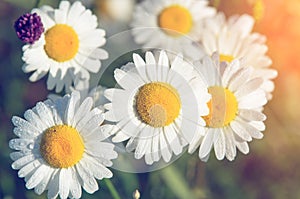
pixel 37 3
pixel 176 182
pixel 112 189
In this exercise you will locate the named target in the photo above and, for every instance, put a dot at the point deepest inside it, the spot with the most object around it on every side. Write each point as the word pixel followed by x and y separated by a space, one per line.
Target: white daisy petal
pixel 253 132
pixel 60 15
pixel 258 125
pixel 45 114
pixel 207 143
pixel 81 124
pixel 64 185
pixel 156 154
pixel 162 66
pixel 219 144
pixel 243 147
pixel 127 80
pixel 252 115
pixel 102 172
pixel 240 130
pixel 140 66
pixel 164 148
pixel 92 65
pixel 101 149
pixel 84 108
pixel 195 142
pixel 148 155
pixel 239 78
pixel 19 163
pixel 92 124
pixel 88 182
pixel 253 100
pixel 37 177
pixel 24 171
pixel 151 67
pixel 23 124
pixel 72 106
pixel 20 144
pixel 19 154
pixel 248 87
pixel 93 39
pixel 230 144
pixel 121 136
pixel 75 188
pixel 34 119
pixel 53 188
pixel 75 11
pixel 42 186
pixel 141 148
pixel 172 139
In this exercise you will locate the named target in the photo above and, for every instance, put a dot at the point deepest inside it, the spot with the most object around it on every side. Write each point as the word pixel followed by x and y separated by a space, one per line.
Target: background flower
pixel 69 47
pixel 171 25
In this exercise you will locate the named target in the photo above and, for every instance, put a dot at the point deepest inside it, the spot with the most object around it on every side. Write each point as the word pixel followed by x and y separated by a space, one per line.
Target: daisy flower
pixel 235 109
pixel 61 147
pixel 233 39
pixel 156 108
pixel 173 25
pixel 69 46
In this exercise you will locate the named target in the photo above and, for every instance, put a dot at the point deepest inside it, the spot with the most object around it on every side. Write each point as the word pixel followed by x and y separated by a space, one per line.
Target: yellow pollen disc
pixel 158 104
pixel 227 58
pixel 177 19
pixel 61 43
pixel 61 146
pixel 223 107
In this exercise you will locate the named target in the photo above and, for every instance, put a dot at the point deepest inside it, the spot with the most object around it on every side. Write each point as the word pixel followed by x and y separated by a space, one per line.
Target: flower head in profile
pixel 173 25
pixel 62 147
pixel 69 46
pixel 233 39
pixel 235 109
pixel 156 108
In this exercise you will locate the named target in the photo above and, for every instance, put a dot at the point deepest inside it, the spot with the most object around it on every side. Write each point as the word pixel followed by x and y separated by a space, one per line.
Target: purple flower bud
pixel 29 27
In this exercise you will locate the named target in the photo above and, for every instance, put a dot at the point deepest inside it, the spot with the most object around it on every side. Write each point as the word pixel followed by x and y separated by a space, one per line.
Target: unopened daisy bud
pixel 29 27
pixel 136 194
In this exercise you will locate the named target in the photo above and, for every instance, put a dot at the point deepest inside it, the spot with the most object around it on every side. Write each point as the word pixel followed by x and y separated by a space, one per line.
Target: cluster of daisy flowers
pixel 204 90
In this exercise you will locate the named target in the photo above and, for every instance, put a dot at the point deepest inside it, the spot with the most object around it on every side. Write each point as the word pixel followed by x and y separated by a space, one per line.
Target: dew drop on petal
pixel 31 146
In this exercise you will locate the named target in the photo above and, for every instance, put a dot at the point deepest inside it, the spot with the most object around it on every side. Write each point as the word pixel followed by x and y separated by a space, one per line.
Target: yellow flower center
pixel 61 43
pixel 223 107
pixel 175 20
pixel 158 104
pixel 227 58
pixel 61 146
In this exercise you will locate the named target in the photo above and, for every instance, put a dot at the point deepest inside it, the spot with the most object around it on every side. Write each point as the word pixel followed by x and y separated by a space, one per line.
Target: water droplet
pixel 35 164
pixel 21 143
pixel 31 146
